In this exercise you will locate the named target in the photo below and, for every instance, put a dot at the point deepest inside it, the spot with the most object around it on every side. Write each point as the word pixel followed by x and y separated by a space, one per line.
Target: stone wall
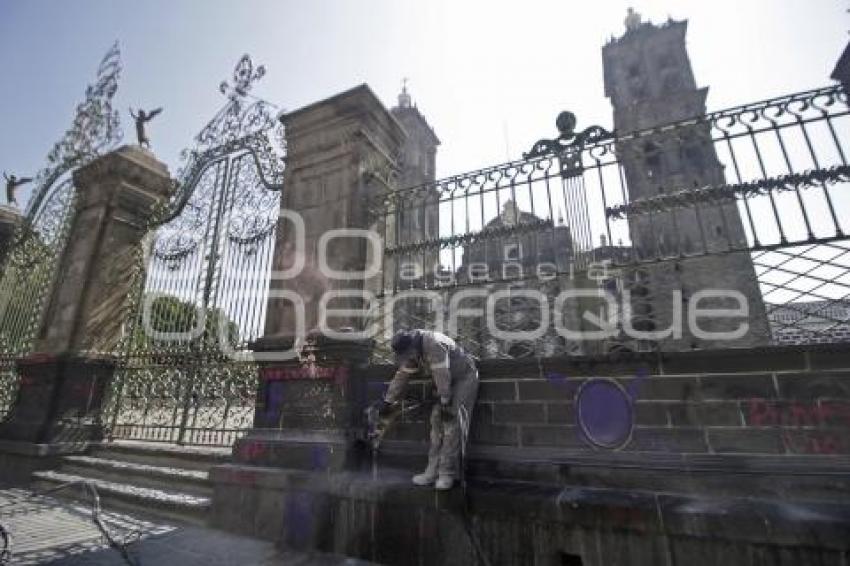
pixel 736 457
pixel 761 402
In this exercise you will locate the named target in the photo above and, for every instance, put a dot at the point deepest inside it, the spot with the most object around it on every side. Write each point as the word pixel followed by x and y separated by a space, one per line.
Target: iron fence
pixel 183 400
pixel 750 197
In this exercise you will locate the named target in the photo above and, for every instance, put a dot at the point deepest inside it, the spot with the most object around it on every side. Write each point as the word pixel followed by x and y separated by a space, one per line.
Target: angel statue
pixel 141 118
pixel 12 184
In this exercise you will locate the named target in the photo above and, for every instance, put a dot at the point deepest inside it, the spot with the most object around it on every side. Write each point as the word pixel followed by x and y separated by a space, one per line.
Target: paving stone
pixel 45 529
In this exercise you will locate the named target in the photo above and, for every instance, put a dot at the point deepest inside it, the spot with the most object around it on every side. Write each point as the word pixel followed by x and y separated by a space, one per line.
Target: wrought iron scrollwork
pixel 497 232
pixel 95 130
pixel 30 265
pixel 241 126
pixel 568 138
pixel 210 254
pixel 718 193
pixel 240 116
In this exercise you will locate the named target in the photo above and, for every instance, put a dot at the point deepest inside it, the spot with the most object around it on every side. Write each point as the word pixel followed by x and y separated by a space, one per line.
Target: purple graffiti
pixel 604 407
pixel 605 413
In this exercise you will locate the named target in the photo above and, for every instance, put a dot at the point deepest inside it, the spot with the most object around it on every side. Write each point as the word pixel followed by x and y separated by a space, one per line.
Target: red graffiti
pixel 815 442
pixel 763 412
pixel 803 424
pixel 338 374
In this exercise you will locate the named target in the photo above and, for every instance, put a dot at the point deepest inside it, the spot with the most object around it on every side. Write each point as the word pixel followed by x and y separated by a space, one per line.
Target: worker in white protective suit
pixel 428 353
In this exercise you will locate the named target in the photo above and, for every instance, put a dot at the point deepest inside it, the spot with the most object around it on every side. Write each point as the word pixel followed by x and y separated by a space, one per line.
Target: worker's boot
pixel 444 483
pixel 427 477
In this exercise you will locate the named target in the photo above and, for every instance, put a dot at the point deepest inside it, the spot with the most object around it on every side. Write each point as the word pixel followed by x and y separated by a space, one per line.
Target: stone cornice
pixel 10 216
pixel 132 166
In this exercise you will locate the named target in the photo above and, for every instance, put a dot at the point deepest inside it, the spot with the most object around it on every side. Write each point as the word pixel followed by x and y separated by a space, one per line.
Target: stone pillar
pixel 10 220
pixel 63 382
pixel 339 151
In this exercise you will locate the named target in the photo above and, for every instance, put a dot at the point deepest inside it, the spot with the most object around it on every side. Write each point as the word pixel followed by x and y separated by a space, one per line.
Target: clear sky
pixel 490 76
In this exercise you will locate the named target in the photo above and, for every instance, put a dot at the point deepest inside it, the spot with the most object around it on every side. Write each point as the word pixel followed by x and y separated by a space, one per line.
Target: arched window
pixel 693 157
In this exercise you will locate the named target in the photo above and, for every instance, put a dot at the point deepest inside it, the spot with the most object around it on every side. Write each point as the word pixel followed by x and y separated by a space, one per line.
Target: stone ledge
pixel 10 215
pixel 737 361
pixel 774 521
pixel 132 163
pixel 810 477
pixel 813 464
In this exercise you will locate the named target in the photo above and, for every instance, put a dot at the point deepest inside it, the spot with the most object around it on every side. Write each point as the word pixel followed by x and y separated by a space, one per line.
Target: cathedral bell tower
pixel 650 82
pixel 418 211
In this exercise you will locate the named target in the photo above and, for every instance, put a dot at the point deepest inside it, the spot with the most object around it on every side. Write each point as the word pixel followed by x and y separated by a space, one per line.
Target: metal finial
pixel 244 77
pixel 404 96
pixel 568 138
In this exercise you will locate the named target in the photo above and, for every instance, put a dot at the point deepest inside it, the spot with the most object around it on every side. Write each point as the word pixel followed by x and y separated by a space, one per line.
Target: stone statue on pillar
pixel 633 20
pixel 12 184
pixel 141 119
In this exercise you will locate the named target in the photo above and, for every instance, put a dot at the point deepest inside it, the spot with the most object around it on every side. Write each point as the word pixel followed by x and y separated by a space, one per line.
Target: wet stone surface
pixel 45 530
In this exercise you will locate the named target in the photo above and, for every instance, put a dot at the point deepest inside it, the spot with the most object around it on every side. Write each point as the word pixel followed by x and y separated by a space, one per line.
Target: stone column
pixel 339 151
pixel 10 220
pixel 63 382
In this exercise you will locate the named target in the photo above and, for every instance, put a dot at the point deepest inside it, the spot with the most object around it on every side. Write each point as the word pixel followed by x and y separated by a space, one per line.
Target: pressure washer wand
pixel 376 428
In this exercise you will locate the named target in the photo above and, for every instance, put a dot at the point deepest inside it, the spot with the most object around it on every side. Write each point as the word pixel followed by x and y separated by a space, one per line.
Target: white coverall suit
pixel 456 379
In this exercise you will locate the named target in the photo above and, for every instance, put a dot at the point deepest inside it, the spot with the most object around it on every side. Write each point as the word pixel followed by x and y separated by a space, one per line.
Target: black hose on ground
pixel 119 546
pixel 463 421
pixel 376 427
pixel 6 549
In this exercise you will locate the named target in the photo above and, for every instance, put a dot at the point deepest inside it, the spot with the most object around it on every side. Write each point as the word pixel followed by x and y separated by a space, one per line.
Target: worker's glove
pixel 384 408
pixel 376 408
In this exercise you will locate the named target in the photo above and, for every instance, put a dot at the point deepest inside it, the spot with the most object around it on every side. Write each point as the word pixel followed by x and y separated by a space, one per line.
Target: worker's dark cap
pixel 402 341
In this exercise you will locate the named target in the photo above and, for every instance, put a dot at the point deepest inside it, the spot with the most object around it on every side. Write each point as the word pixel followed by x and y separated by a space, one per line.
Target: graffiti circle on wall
pixel 605 413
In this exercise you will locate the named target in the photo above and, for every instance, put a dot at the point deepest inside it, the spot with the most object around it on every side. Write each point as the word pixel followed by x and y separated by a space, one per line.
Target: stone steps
pixel 195 482
pixel 159 454
pixel 152 479
pixel 127 497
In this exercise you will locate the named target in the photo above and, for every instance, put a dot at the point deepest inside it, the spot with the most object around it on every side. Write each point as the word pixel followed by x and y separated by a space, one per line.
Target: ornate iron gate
pixel 30 261
pixel 202 283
